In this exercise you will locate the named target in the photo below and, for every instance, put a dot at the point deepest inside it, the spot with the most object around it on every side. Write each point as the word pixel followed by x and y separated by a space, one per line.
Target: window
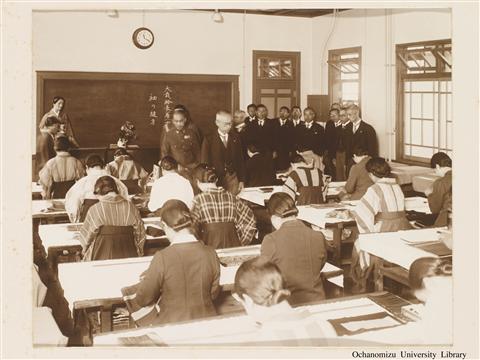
pixel 424 101
pixel 344 75
pixel 274 68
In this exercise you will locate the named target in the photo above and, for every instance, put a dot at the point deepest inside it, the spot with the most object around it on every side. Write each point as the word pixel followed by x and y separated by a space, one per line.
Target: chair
pixel 114 242
pixel 132 186
pixel 87 203
pixel 60 189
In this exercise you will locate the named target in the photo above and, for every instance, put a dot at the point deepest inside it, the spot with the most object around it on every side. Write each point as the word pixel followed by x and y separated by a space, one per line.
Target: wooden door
pixel 276 80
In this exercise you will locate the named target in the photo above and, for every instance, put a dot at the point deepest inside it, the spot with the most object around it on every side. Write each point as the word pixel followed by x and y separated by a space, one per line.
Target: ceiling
pixel 305 13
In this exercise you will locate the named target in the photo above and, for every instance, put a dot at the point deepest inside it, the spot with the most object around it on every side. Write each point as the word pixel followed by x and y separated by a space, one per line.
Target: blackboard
pixel 99 103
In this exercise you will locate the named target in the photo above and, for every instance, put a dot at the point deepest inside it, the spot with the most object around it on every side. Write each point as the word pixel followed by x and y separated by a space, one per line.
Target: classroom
pixel 245 177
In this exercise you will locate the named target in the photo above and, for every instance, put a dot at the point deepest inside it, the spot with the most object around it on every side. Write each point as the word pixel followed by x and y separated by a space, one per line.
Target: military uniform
pixel 183 145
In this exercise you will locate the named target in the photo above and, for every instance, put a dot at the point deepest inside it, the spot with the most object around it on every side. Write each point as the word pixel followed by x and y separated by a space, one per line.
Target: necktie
pixel 308 125
pixel 282 122
pixel 224 139
pixel 260 122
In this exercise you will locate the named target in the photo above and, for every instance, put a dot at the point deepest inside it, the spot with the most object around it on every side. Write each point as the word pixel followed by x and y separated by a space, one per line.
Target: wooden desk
pixel 405 173
pixel 241 330
pixel 39 209
pixel 98 284
pixel 393 248
pixel 36 191
pixel 420 183
pixel 63 239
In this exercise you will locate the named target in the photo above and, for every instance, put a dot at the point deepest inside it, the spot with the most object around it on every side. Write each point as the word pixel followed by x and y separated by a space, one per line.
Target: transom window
pixel 344 75
pixel 424 116
pixel 268 68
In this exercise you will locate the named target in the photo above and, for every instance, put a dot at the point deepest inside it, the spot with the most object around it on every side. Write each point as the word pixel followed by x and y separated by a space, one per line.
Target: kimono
pixel 309 183
pixel 65 125
pixel 440 200
pixel 224 219
pixel 381 209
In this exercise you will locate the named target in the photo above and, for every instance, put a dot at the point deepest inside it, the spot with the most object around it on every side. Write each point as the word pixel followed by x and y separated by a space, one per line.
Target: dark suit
pixel 300 253
pixel 260 171
pixel 297 131
pixel 261 136
pixel 343 151
pixel 330 147
pixel 225 160
pixel 283 136
pixel 45 150
pixel 312 139
pixel 365 137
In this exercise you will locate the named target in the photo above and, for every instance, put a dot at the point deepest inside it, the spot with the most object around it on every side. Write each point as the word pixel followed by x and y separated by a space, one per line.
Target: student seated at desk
pixel 183 278
pixel 382 208
pixel 358 180
pixel 60 172
pixel 223 218
pixel 80 196
pixel 298 251
pixel 309 182
pixel 259 167
pixel 169 186
pixel 113 227
pixel 124 168
pixel 440 194
pixel 259 287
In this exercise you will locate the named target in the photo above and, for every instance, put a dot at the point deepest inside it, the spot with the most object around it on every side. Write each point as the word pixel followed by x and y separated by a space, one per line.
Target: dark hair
pixel 61 143
pixel 57 99
pixel 93 160
pixel 359 151
pixel 51 120
pixel 308 108
pixel 104 185
pixel 251 105
pixel 354 107
pixel 297 158
pixel 261 281
pixel 181 111
pixel 441 159
pixel 296 107
pixel 334 110
pixel 333 104
pixel 427 267
pixel 284 108
pixel 261 106
pixel 378 167
pixel 176 215
pixel 205 174
pixel 281 204
pixel 168 163
pixel 120 152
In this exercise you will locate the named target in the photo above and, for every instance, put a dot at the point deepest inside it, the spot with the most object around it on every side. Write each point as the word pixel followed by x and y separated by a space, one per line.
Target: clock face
pixel 143 38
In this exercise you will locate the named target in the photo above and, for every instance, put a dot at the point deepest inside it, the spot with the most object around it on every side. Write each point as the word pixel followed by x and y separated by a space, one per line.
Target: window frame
pixel 333 78
pixel 401 77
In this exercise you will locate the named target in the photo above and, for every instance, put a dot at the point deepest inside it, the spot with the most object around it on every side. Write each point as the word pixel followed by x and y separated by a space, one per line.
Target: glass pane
pixel 352 76
pixel 427 133
pixel 407 85
pixel 449 86
pixel 449 136
pixel 443 107
pixel 284 91
pixel 422 85
pixel 443 86
pixel 427 106
pixel 408 150
pixel 422 152
pixel 416 105
pixel 286 69
pixel 416 132
pixel 269 102
pixel 406 118
pixel 350 91
pixel 449 107
pixel 349 56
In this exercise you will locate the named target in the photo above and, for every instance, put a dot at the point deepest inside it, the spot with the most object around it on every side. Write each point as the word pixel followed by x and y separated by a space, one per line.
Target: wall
pixel 377 31
pixel 186 42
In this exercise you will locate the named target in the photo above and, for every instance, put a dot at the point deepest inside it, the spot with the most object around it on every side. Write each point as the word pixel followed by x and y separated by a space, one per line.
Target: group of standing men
pixel 328 145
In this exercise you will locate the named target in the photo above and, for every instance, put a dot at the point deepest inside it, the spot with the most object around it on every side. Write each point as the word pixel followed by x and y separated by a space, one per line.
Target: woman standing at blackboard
pixel 58 111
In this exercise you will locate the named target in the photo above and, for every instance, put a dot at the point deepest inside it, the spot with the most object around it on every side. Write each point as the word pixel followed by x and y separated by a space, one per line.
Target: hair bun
pixel 445 268
pixel 290 212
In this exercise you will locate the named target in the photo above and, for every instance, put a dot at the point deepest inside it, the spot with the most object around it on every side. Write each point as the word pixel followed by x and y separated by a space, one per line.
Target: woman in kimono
pixel 58 111
pixel 224 220
pixel 183 278
pixel 381 209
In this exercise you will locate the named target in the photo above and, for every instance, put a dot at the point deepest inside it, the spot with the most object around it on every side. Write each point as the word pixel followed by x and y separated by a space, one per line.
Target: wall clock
pixel 143 38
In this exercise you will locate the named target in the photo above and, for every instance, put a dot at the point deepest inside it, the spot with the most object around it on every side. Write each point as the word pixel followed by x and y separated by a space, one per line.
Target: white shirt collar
pixel 309 125
pixel 356 124
pixel 222 134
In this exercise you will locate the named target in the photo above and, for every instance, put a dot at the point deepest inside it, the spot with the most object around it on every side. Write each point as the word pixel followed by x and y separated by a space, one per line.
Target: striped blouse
pixel 111 210
pixel 302 177
pixel 217 206
pixel 382 197
pixel 62 167
pixel 125 168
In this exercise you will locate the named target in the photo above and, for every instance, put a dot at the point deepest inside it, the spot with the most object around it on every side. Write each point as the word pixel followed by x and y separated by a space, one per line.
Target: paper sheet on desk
pixel 420 236
pixel 370 324
pixel 227 274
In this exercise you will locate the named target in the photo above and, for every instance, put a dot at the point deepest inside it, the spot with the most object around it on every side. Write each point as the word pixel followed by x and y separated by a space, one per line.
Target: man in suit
pixel 331 142
pixel 311 141
pixel 297 127
pixel 251 116
pixel 343 146
pixel 363 134
pixel 260 131
pixel 283 139
pixel 259 168
pixel 223 150
pixel 46 141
